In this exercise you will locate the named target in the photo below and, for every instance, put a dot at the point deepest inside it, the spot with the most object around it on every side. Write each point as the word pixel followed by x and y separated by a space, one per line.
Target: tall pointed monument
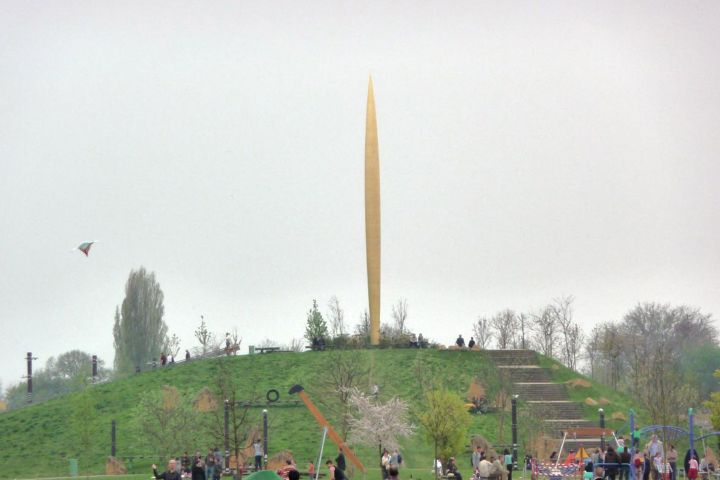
pixel 372 215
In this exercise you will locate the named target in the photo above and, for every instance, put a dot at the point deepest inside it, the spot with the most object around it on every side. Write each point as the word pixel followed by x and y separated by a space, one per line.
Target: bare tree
pixel 363 327
pixel 226 391
pixel 173 345
pixel 544 332
pixel 593 351
pixel 522 321
pixel 576 341
pixel 336 317
pixel 504 324
pixel 235 338
pixel 205 337
pixel 399 314
pixel 483 333
pixel 561 308
pixel 346 371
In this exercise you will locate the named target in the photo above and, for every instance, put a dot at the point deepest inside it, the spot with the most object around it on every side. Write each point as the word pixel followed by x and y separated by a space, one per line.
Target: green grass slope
pixel 38 440
pixel 619 403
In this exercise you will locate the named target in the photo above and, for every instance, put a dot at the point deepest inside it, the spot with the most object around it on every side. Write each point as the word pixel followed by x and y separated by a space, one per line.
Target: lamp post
pixel 227 434
pixel 514 430
pixel 29 359
pixel 602 425
pixel 265 436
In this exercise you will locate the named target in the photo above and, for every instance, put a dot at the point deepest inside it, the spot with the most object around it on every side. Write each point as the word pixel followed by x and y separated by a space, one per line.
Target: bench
pixel 267 349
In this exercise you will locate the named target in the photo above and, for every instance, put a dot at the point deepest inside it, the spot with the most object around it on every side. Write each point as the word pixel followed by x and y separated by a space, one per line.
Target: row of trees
pixel 335 330
pixel 551 330
pixel 66 373
pixel 661 354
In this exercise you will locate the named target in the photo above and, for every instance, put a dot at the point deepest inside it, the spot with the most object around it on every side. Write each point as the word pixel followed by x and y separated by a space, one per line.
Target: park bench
pixel 267 349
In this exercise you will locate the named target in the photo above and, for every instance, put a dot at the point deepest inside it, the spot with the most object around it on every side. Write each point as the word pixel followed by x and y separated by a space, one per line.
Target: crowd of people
pixel 196 467
pixel 653 462
pixel 210 466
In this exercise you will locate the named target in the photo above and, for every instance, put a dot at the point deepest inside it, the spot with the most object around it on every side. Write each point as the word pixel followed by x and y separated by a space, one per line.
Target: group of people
pixel 490 467
pixel 460 342
pixel 653 462
pixel 390 464
pixel 196 467
pixel 210 467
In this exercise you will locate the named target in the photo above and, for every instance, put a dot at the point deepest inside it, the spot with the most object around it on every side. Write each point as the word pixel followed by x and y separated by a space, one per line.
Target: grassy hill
pixel 38 440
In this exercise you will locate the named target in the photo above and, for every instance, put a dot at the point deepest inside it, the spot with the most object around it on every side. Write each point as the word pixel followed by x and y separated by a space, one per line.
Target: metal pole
pixel 322 446
pixel 94 368
pixel 602 425
pixel 632 444
pixel 112 439
pixel 514 430
pixel 265 436
pixel 691 422
pixel 29 377
pixel 227 434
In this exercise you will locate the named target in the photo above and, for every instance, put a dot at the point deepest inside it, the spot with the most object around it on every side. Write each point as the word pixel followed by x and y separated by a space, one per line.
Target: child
pixel 693 470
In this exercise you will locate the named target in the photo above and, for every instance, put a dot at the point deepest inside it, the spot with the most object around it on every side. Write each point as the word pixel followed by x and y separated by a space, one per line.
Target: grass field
pixel 38 440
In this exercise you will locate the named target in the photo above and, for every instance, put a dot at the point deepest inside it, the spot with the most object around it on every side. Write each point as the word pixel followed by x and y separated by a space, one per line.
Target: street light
pixel 513 402
pixel 265 436
pixel 602 425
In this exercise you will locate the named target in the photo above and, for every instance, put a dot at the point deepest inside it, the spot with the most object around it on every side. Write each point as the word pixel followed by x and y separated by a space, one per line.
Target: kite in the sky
pixel 85 247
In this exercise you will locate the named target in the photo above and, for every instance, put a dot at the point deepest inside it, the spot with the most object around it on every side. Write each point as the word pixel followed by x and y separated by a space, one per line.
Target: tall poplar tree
pixel 139 331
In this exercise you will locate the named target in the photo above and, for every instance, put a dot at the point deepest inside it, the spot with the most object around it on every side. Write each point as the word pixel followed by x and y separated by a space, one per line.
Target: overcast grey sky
pixel 527 150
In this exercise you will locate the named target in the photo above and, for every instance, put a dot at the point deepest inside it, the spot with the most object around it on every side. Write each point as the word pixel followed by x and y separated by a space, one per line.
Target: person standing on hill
pixel 340 460
pixel 471 343
pixel 170 474
pixel 460 342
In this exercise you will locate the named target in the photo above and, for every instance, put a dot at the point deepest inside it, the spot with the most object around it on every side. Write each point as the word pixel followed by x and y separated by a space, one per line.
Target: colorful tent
pixel 582 454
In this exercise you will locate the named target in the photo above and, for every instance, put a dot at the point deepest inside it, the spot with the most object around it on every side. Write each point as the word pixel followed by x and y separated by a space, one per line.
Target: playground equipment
pixel 556 470
pixel 322 421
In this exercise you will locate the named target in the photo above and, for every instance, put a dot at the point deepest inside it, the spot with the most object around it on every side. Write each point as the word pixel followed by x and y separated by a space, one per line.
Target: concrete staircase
pixel 549 401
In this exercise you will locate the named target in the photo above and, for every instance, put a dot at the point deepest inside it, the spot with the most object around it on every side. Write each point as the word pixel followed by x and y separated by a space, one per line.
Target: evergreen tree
pixel 316 327
pixel 139 331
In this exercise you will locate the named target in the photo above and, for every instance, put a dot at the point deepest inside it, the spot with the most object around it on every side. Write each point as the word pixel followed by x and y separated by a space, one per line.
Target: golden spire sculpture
pixel 372 215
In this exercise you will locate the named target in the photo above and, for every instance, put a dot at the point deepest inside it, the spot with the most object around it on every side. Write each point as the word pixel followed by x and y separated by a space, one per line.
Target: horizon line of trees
pixel 654 349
